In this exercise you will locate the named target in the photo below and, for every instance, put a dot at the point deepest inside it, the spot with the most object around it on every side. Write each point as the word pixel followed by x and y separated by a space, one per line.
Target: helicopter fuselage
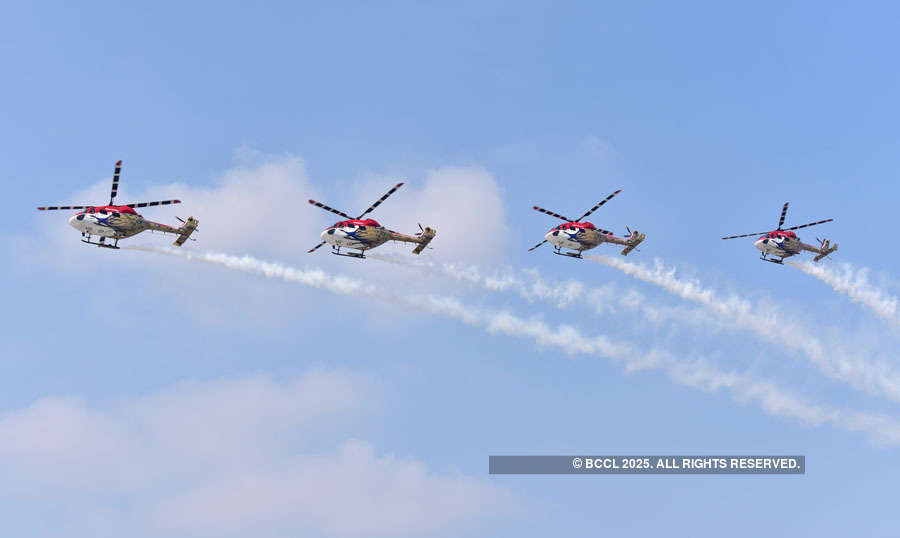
pixel 115 222
pixel 362 234
pixel 580 236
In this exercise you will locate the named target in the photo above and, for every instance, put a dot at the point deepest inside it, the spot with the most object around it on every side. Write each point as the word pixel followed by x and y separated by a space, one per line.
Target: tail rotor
pixel 196 229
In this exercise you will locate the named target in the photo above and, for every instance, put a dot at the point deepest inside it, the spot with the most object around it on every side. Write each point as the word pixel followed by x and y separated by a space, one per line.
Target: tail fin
pixel 186 231
pixel 824 250
pixel 424 238
pixel 634 240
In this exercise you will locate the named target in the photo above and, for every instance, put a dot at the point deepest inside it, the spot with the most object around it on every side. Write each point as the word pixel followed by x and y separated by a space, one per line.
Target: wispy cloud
pixel 694 373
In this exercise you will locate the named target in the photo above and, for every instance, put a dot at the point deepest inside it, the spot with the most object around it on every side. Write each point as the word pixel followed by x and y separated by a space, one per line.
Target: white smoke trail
pixel 532 288
pixel 881 429
pixel 855 284
pixel 875 378
pixel 529 285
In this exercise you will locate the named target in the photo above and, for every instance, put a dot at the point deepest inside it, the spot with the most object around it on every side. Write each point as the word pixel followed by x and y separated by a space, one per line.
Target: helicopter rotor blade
pixel 591 210
pixel 551 213
pixel 536 246
pixel 115 182
pixel 744 235
pixel 57 207
pixel 315 247
pixel 378 202
pixel 326 208
pixel 151 204
pixel 808 225
pixel 783 214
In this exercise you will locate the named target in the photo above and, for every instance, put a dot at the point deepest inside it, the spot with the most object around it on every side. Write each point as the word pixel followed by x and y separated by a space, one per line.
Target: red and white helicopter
pixel 580 236
pixel 120 221
pixel 784 243
pixel 366 234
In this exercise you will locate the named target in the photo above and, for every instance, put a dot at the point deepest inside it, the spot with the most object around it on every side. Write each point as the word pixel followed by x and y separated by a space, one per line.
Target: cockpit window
pixel 103 212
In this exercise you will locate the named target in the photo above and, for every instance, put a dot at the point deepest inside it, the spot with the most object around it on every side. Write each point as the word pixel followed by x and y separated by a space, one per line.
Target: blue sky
pixel 143 395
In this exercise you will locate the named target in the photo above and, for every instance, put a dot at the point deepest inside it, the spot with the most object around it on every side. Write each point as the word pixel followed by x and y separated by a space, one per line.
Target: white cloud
pixel 259 206
pixel 230 457
pixel 464 204
pixel 352 492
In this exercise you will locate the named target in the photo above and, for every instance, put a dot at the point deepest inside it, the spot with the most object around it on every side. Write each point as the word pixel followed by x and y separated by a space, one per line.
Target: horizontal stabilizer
pixel 424 238
pixel 186 231
pixel 825 250
pixel 634 240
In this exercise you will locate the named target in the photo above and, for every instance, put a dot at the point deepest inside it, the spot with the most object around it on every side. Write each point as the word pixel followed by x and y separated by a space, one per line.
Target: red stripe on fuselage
pixel 575 226
pixel 111 209
pixel 356 222
pixel 778 234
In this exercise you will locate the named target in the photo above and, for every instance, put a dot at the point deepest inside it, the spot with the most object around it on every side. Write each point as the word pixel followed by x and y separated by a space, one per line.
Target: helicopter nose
pixel 76 221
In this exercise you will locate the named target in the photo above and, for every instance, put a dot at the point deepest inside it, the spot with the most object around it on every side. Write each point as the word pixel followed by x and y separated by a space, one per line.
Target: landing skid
pixel 104 245
pixel 102 242
pixel 779 262
pixel 569 254
pixel 337 252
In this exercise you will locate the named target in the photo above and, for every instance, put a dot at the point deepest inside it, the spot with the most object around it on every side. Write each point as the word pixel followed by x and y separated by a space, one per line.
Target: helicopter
pixel 580 236
pixel 120 221
pixel 365 234
pixel 784 243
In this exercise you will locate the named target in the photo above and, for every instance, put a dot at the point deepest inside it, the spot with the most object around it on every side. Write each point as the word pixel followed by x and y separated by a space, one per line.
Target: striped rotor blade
pixel 326 208
pixel 56 207
pixel 115 185
pixel 315 247
pixel 605 232
pixel 783 214
pixel 151 204
pixel 744 235
pixel 808 225
pixel 608 198
pixel 536 246
pixel 551 213
pixel 378 202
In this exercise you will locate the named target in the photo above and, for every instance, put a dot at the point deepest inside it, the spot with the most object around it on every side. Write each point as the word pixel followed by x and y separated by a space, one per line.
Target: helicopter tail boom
pixel 822 251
